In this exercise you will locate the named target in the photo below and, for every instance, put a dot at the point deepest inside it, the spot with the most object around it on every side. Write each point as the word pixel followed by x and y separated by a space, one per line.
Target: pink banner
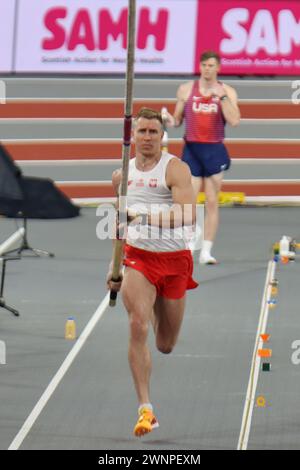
pixel 252 37
pixel 72 36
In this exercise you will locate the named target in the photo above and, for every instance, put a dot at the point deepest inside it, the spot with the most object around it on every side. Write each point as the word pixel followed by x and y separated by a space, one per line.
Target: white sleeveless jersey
pixel 148 191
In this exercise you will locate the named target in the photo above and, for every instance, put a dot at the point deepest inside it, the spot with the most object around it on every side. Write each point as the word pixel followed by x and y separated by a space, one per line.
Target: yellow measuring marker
pixel 261 402
pixel 274 290
pixel 225 198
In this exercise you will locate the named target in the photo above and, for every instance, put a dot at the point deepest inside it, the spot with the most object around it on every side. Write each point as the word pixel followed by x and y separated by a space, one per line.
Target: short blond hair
pixel 148 113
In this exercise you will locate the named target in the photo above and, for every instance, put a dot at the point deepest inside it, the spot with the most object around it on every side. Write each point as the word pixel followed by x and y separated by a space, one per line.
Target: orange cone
pixel 265 337
pixel 265 353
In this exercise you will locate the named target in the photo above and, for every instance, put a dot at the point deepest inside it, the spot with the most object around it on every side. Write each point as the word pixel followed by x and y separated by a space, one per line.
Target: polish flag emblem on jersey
pixel 153 183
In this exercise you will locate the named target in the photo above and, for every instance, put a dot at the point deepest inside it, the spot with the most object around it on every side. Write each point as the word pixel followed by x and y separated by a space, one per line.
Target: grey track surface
pixel 281 417
pixel 198 391
pixel 90 172
pixel 105 129
pixel 143 88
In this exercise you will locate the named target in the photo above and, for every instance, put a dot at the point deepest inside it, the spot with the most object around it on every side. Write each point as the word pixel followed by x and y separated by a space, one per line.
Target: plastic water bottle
pixel 284 246
pixel 70 328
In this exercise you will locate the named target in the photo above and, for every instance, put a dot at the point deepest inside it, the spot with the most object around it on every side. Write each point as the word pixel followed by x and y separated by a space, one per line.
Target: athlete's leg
pixel 168 316
pixel 212 187
pixel 139 298
pixel 191 157
pixel 197 183
pixel 195 242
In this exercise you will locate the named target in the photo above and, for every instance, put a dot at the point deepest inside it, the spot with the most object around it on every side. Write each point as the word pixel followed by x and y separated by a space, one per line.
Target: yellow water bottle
pixel 70 328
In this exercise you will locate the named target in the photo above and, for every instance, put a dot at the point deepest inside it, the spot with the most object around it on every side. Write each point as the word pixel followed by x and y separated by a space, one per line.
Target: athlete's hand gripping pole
pixel 118 248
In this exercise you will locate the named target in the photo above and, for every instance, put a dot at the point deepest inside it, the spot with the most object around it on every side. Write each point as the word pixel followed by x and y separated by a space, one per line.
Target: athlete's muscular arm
pixel 230 107
pixel 229 102
pixel 182 95
pixel 183 211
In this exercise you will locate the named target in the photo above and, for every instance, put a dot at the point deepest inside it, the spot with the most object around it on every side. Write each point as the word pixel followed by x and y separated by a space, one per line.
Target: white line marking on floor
pixel 255 365
pixel 25 429
pixel 80 100
pixel 197 356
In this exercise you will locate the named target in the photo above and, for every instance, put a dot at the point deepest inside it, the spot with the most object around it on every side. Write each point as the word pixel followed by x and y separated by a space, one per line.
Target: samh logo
pixel 84 31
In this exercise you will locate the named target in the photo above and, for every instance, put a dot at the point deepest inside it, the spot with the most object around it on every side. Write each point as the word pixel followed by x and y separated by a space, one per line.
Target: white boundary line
pixel 141 80
pixel 117 161
pixel 79 100
pixel 262 161
pixel 85 182
pixel 262 180
pixel 59 120
pixel 84 120
pixel 255 365
pixel 249 199
pixel 114 140
pixel 85 162
pixel 85 201
pixel 273 199
pixel 225 181
pixel 25 429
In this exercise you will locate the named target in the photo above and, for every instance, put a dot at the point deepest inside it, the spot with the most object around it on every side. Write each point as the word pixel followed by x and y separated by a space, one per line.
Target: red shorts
pixel 170 272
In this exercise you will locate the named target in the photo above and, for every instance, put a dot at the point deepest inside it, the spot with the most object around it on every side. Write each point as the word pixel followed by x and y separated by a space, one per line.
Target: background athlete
pixel 206 105
pixel 158 264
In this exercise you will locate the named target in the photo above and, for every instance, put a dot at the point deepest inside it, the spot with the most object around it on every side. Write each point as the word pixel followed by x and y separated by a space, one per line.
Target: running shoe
pixel 206 258
pixel 146 422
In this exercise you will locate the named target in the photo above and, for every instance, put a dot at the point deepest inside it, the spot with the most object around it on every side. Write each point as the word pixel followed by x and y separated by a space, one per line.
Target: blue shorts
pixel 206 159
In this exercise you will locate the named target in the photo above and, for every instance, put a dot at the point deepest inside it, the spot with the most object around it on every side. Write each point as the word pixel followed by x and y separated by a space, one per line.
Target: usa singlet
pixel 204 119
